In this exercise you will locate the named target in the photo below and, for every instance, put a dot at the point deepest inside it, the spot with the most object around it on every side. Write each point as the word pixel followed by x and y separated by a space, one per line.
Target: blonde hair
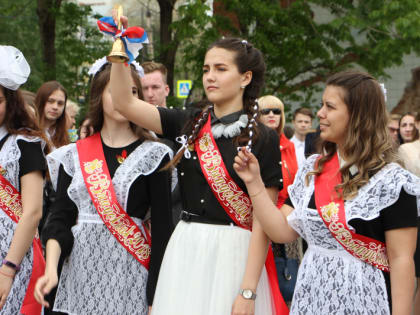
pixel 267 100
pixel 367 144
pixel 72 105
pixel 151 66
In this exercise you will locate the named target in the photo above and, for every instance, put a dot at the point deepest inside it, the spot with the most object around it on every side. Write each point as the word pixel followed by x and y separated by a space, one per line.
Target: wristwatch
pixel 248 294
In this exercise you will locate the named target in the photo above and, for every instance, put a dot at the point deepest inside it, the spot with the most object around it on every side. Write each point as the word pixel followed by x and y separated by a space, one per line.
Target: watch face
pixel 247 294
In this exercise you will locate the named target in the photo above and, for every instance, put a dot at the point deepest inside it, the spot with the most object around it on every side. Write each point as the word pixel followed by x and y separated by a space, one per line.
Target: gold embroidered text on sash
pixel 122 228
pixel 373 253
pixel 227 191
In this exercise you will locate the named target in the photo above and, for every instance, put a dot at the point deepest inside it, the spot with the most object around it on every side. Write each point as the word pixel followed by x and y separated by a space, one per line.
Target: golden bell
pixel 118 54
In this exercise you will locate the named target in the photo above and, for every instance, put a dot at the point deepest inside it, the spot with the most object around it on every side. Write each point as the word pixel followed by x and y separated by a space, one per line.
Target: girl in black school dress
pixel 212 265
pixel 22 164
pixel 100 276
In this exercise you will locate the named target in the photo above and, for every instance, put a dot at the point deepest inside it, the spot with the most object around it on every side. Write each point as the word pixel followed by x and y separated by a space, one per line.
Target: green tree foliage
pixel 78 43
pixel 19 28
pixel 301 49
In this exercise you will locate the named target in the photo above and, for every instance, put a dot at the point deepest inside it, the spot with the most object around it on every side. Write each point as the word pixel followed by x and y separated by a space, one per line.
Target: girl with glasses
pixel 272 115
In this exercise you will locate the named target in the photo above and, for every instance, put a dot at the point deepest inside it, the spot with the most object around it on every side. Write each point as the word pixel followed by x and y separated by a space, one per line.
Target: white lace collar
pixel 229 130
pixel 382 190
pixel 3 131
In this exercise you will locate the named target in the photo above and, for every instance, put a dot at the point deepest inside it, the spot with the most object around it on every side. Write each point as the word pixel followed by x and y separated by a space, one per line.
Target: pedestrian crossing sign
pixel 183 88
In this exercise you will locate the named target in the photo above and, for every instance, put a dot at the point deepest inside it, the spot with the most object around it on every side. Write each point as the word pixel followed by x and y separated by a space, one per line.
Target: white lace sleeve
pixel 31 139
pixel 61 156
pixel 383 190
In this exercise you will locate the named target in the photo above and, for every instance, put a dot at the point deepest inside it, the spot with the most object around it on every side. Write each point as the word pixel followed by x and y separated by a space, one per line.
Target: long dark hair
pixel 96 111
pixel 61 136
pixel 17 119
pixel 367 144
pixel 247 58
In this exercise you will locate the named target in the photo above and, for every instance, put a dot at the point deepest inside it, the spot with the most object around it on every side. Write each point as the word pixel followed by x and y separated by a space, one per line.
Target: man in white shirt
pixel 302 123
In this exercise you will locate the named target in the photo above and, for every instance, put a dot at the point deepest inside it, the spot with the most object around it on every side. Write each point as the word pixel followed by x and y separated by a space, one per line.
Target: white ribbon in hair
pixel 382 85
pixel 98 64
pixel 14 69
pixel 183 140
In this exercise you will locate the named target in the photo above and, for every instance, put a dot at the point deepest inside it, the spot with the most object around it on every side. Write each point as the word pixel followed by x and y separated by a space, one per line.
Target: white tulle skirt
pixel 202 272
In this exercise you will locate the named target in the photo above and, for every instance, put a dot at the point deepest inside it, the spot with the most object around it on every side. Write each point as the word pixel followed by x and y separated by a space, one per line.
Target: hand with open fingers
pixel 124 19
pixel 6 282
pixel 246 166
pixel 242 306
pixel 44 285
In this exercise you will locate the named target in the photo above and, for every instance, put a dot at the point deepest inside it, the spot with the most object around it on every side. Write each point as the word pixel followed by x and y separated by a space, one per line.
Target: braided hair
pixel 247 58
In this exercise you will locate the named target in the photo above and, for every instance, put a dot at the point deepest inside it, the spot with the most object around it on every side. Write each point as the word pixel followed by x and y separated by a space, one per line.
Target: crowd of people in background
pixel 249 213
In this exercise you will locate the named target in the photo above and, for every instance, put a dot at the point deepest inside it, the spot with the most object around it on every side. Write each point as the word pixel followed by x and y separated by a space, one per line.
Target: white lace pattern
pixel 100 276
pixel 9 160
pixel 330 280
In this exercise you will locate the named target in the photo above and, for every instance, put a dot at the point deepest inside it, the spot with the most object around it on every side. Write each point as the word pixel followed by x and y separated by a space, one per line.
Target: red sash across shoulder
pixel 99 185
pixel 331 209
pixel 11 204
pixel 233 199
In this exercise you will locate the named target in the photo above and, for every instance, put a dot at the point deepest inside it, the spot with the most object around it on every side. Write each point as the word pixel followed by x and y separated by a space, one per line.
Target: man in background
pixel 302 123
pixel 154 83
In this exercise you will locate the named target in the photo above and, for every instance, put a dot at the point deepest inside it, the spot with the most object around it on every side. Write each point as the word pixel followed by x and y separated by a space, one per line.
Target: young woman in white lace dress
pixel 22 165
pixel 371 204
pixel 100 275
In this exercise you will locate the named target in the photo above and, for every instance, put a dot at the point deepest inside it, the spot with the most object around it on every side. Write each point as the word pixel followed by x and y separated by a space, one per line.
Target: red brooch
pixel 121 158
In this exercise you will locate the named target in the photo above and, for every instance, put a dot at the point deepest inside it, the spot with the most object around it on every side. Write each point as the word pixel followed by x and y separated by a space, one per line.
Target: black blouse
pixel 197 196
pixel 152 191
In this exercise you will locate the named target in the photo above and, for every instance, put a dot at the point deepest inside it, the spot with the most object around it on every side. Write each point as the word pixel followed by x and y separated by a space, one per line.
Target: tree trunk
pixel 47 11
pixel 167 46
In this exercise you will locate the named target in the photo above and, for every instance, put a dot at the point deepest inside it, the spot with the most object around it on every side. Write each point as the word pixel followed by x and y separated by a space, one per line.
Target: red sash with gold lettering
pixel 233 199
pixel 11 204
pixel 99 185
pixel 331 209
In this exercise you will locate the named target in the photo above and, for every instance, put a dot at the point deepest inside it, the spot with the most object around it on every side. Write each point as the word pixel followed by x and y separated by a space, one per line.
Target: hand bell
pixel 118 53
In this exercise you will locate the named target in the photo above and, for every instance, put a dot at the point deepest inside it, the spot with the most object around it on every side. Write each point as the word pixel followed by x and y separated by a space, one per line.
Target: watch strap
pixel 11 265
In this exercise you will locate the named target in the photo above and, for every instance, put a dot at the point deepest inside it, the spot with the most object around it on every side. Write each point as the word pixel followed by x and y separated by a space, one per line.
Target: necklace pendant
pixel 2 171
pixel 191 147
